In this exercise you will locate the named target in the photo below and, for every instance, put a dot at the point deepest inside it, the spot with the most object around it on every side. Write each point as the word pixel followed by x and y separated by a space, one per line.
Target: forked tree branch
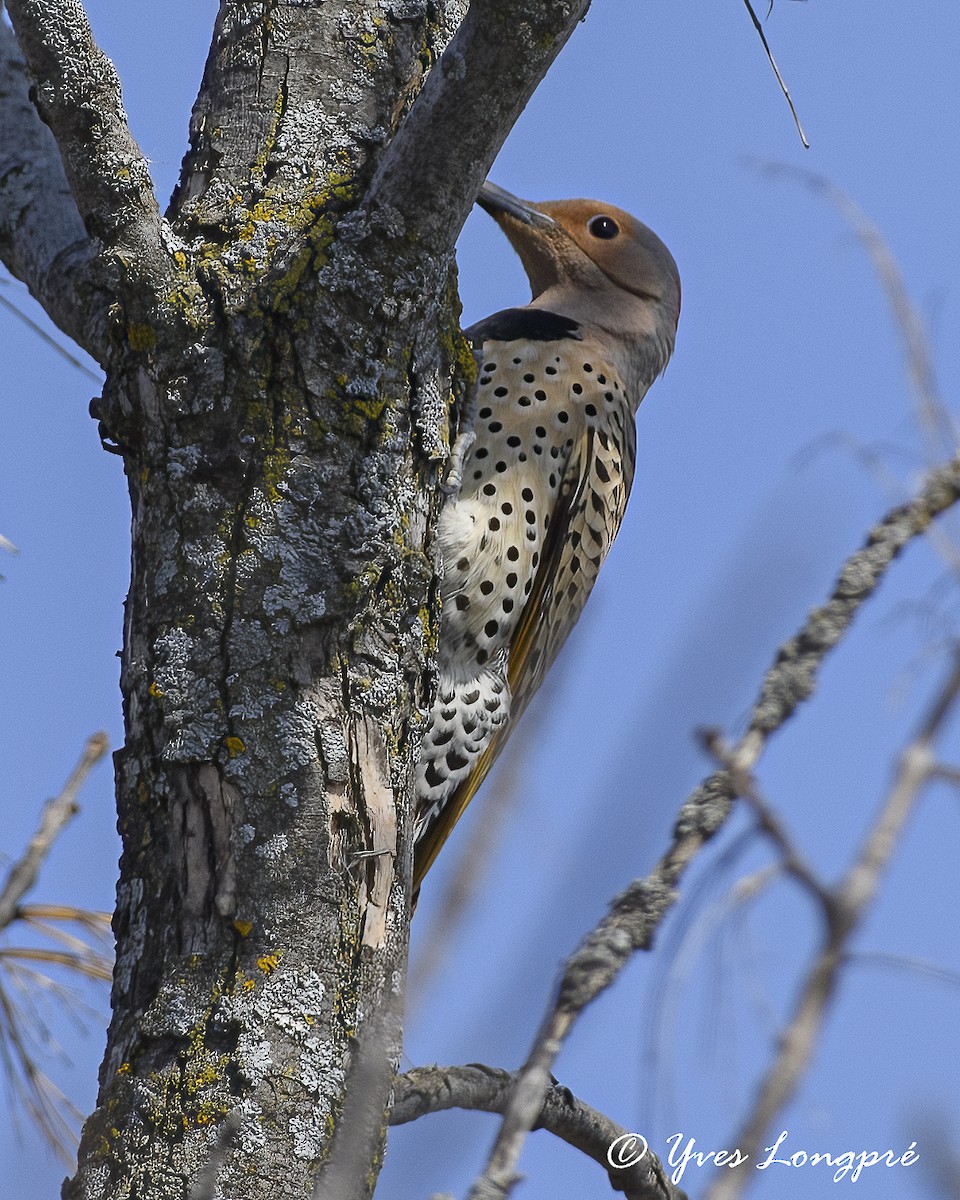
pixel 745 787
pixel 78 95
pixel 42 238
pixel 847 905
pixel 433 168
pixel 636 913
pixel 487 1089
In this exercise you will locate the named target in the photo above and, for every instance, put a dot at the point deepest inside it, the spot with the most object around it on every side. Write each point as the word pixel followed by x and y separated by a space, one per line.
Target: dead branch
pixel 847 905
pixel 776 70
pixel 769 823
pixel 56 813
pixel 487 1089
pixel 45 337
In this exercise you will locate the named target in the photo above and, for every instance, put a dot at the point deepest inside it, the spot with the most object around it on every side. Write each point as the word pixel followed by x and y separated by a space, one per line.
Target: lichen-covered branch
pixel 433 168
pixel 42 238
pixel 479 1088
pixel 636 913
pixel 78 94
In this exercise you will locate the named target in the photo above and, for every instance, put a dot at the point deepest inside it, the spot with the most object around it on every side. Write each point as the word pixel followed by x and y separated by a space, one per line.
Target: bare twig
pixel 694 929
pixel 637 912
pixel 849 904
pixel 56 813
pixel 776 70
pixel 40 1098
pixel 932 413
pixel 920 967
pixel 82 956
pixel 21 1027
pixel 45 337
pixel 83 964
pixel 770 824
pixel 487 1089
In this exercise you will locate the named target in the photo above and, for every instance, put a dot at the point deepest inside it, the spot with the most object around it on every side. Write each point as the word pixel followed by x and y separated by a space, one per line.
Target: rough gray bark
pixel 282 360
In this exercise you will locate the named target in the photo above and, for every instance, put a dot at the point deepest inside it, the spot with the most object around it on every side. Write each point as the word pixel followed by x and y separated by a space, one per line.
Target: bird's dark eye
pixel 603 227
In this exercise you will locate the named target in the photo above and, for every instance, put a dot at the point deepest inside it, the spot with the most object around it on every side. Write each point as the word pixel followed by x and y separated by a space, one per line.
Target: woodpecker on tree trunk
pixel 545 483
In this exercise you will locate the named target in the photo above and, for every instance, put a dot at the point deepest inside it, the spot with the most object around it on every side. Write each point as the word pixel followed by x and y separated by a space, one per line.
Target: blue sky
pixel 752 485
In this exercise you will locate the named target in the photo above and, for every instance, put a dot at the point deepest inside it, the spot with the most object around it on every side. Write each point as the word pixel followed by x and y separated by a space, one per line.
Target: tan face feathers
pixel 597 264
pixel 622 247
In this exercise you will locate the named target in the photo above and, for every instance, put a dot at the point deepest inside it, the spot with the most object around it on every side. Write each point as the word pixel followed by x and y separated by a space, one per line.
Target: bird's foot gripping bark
pixel 453 475
pixel 452 480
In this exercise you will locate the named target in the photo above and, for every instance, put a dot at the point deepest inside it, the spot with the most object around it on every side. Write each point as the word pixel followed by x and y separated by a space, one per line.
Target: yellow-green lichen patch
pixel 465 359
pixel 270 140
pixel 141 337
pixel 184 1094
pixel 187 300
pixel 370 406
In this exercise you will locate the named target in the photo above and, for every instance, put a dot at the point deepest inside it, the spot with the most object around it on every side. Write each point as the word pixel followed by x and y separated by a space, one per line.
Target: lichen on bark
pixel 284 369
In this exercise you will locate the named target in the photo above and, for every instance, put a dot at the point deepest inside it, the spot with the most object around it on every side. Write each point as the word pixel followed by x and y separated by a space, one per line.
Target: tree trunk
pixel 274 675
pixel 283 360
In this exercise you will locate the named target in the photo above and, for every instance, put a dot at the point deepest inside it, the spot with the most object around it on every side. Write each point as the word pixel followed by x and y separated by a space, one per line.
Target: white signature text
pixel 631 1148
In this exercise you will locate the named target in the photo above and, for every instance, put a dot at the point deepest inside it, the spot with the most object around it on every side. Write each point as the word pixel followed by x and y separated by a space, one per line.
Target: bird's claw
pixel 452 480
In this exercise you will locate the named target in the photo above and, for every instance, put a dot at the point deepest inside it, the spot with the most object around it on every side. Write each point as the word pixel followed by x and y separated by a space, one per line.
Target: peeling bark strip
pixel 282 358
pixel 381 814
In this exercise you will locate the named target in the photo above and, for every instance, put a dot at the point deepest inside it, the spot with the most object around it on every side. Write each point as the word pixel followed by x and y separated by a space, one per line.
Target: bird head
pixel 598 265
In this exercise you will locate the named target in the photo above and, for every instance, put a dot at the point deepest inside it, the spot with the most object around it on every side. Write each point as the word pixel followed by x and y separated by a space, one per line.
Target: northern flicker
pixel 545 483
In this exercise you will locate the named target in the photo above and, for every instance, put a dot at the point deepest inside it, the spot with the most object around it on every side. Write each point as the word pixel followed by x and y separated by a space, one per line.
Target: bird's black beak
pixel 497 202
